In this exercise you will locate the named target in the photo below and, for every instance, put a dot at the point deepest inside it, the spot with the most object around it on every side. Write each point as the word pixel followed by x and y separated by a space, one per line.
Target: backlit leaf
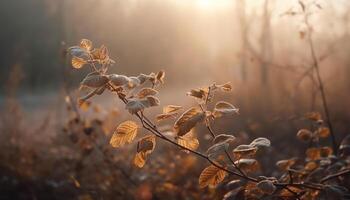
pixel 323 132
pixel 225 87
pixel 304 135
pixel 211 176
pixel 124 134
pixel 224 138
pixel 144 147
pixel 199 93
pixel 134 106
pixel 285 164
pixel 144 92
pixel 244 150
pixel 86 44
pixel 247 165
pixel 162 117
pixel 118 80
pixel 188 120
pixel 171 108
pixel 314 116
pixel 223 108
pixel 77 62
pixel 189 141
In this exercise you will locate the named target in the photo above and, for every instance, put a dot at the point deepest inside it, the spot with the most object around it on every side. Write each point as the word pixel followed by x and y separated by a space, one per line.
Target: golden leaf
pixel 144 147
pixel 150 101
pixel 223 108
pixel 161 117
pixel 86 44
pixel 189 141
pixel 211 176
pixel 199 93
pixel 77 62
pixel 171 108
pixel 125 133
pixel 326 151
pixel 188 120
pixel 100 53
pixel 313 153
pixel 304 135
pixel 266 186
pixel 84 105
pixel 144 92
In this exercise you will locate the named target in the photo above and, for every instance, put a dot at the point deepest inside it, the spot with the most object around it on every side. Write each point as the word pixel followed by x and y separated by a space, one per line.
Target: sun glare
pixel 213 4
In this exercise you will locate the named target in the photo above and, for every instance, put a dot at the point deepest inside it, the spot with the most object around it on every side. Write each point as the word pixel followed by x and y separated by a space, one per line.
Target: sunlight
pixel 213 4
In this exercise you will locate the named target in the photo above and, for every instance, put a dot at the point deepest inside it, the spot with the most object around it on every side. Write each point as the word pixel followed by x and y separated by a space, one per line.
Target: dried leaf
pixel 244 150
pixel 77 62
pixel 160 76
pixel 304 135
pixel 285 164
pixel 199 93
pixel 133 82
pixel 118 80
pixel 224 138
pixel 150 101
pixel 100 53
pixel 326 151
pixel 313 153
pixel 267 187
pixel 247 165
pixel 144 147
pixel 144 92
pixel 78 52
pixel 260 142
pixel 125 133
pixel 86 44
pixel 94 81
pixel 223 108
pixel 189 141
pixel 227 87
pixel 162 117
pixel 217 149
pixel 211 176
pixel 171 108
pixel 134 106
pixel 188 120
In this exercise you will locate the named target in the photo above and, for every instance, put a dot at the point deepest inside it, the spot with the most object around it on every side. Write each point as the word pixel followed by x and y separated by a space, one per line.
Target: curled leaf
pixel 225 87
pixel 323 132
pixel 199 93
pixel 211 176
pixel 94 81
pixel 133 82
pixel 77 62
pixel 224 138
pixel 118 80
pixel 160 76
pixel 244 150
pixel 188 120
pixel 86 44
pixel 151 101
pixel 285 164
pixel 260 142
pixel 144 147
pixel 217 149
pixel 134 106
pixel 125 133
pixel 223 108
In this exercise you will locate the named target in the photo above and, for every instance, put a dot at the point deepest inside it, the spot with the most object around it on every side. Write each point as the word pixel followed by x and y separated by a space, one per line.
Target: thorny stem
pixel 319 79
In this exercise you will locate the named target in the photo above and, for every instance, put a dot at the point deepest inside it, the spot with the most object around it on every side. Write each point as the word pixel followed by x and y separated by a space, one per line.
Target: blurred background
pixel 260 46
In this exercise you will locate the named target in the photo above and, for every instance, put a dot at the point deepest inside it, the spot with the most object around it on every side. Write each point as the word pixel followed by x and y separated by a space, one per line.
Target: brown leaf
pixel 323 132
pixel 227 87
pixel 223 108
pixel 134 106
pixel 260 142
pixel 244 150
pixel 199 93
pixel 125 133
pixel 211 176
pixel 144 92
pixel 314 116
pixel 247 165
pixel 224 138
pixel 118 80
pixel 144 147
pixel 188 120
pixel 162 117
pixel 285 164
pixel 160 76
pixel 189 141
